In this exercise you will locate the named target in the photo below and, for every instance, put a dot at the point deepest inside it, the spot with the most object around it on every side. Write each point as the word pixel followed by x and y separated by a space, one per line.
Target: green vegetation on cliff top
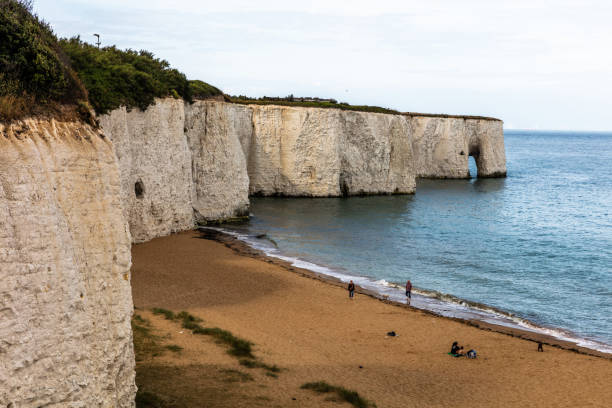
pixel 38 72
pixel 129 78
pixel 308 102
pixel 34 71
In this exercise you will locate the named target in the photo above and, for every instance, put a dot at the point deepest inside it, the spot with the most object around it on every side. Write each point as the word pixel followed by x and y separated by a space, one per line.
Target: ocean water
pixel 533 250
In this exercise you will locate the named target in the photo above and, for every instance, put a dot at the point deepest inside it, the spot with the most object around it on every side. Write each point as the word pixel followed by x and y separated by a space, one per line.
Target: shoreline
pixel 244 249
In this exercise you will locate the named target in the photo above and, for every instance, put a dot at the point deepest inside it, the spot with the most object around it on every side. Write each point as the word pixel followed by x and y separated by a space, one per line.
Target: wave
pixel 443 304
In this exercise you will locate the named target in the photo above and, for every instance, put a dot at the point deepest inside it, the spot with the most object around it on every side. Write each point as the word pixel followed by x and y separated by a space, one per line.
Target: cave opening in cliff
pixel 139 189
pixel 472 167
pixel 473 156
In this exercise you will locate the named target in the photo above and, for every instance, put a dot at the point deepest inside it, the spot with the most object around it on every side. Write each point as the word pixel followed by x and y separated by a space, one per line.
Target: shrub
pixel 128 78
pixel 202 90
pixel 33 66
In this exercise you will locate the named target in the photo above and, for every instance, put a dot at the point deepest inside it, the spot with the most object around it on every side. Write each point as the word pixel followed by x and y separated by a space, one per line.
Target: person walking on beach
pixel 409 290
pixel 351 289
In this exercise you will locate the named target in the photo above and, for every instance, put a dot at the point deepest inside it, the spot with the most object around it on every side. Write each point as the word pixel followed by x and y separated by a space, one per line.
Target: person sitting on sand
pixel 351 289
pixel 456 350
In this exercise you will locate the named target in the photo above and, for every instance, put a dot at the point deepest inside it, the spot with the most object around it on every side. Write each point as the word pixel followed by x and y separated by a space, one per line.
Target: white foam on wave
pixel 439 303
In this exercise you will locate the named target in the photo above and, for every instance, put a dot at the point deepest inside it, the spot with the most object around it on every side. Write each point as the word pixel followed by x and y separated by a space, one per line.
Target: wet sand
pixel 310 327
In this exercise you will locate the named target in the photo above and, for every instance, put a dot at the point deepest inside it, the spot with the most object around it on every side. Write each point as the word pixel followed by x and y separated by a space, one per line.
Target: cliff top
pixel 313 102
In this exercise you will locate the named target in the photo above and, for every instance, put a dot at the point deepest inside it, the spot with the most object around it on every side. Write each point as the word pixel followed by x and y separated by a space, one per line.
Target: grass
pixel 173 347
pixel 258 364
pixel 332 104
pixel 146 344
pixel 311 104
pixel 188 321
pixel 237 347
pixel 168 314
pixel 352 397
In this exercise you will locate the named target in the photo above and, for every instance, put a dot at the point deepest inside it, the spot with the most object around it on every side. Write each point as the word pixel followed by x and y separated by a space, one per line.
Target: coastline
pixel 310 328
pixel 242 248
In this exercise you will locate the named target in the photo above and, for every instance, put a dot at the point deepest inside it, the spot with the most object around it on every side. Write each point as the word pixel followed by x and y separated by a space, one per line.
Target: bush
pixel 32 64
pixel 128 78
pixel 202 90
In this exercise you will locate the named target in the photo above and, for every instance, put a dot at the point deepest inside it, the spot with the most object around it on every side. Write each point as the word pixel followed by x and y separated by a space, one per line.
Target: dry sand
pixel 312 330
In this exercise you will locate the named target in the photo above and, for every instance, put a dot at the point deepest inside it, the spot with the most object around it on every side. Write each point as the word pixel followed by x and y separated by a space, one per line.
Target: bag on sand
pixel 471 354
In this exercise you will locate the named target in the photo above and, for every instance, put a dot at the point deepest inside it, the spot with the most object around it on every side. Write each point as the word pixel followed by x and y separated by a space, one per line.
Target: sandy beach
pixel 312 330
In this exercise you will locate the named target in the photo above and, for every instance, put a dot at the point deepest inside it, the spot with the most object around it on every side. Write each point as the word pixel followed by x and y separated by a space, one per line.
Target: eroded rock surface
pixel 220 180
pixel 442 147
pixel 65 297
pixel 329 152
pixel 155 167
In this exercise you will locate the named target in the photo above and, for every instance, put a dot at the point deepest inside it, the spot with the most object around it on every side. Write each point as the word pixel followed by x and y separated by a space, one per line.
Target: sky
pixel 534 64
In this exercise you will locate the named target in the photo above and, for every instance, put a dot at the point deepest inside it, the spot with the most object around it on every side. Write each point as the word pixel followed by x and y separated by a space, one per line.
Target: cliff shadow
pixel 183 271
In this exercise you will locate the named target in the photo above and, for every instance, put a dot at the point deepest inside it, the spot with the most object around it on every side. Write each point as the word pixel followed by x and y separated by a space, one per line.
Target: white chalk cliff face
pixel 220 179
pixel 185 163
pixel 155 167
pixel 328 152
pixel 441 147
pixel 65 297
pixel 179 164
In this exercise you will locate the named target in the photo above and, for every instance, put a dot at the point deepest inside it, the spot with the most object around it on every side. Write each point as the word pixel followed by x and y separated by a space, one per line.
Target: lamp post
pixel 98 36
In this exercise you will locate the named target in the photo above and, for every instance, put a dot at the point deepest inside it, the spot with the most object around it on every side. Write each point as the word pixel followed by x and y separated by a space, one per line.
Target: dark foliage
pixel 128 78
pixel 308 102
pixel 33 67
pixel 202 90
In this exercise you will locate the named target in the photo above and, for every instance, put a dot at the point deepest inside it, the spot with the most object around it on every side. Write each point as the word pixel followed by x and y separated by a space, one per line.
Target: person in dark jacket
pixel 351 289
pixel 409 290
pixel 456 350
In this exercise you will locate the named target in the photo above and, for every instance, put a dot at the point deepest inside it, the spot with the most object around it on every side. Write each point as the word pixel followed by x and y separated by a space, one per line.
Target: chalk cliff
pixel 185 163
pixel 65 297
pixel 328 152
pixel 155 167
pixel 219 169
pixel 442 145
pixel 179 164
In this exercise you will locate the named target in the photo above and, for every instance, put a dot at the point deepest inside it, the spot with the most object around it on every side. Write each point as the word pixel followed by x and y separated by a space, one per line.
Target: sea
pixel 530 251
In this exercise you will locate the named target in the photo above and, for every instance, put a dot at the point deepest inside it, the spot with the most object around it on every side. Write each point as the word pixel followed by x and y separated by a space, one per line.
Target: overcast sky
pixel 535 64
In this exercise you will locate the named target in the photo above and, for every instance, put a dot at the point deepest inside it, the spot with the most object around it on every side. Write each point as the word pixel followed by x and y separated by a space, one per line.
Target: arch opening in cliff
pixel 472 167
pixel 139 189
pixel 473 162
